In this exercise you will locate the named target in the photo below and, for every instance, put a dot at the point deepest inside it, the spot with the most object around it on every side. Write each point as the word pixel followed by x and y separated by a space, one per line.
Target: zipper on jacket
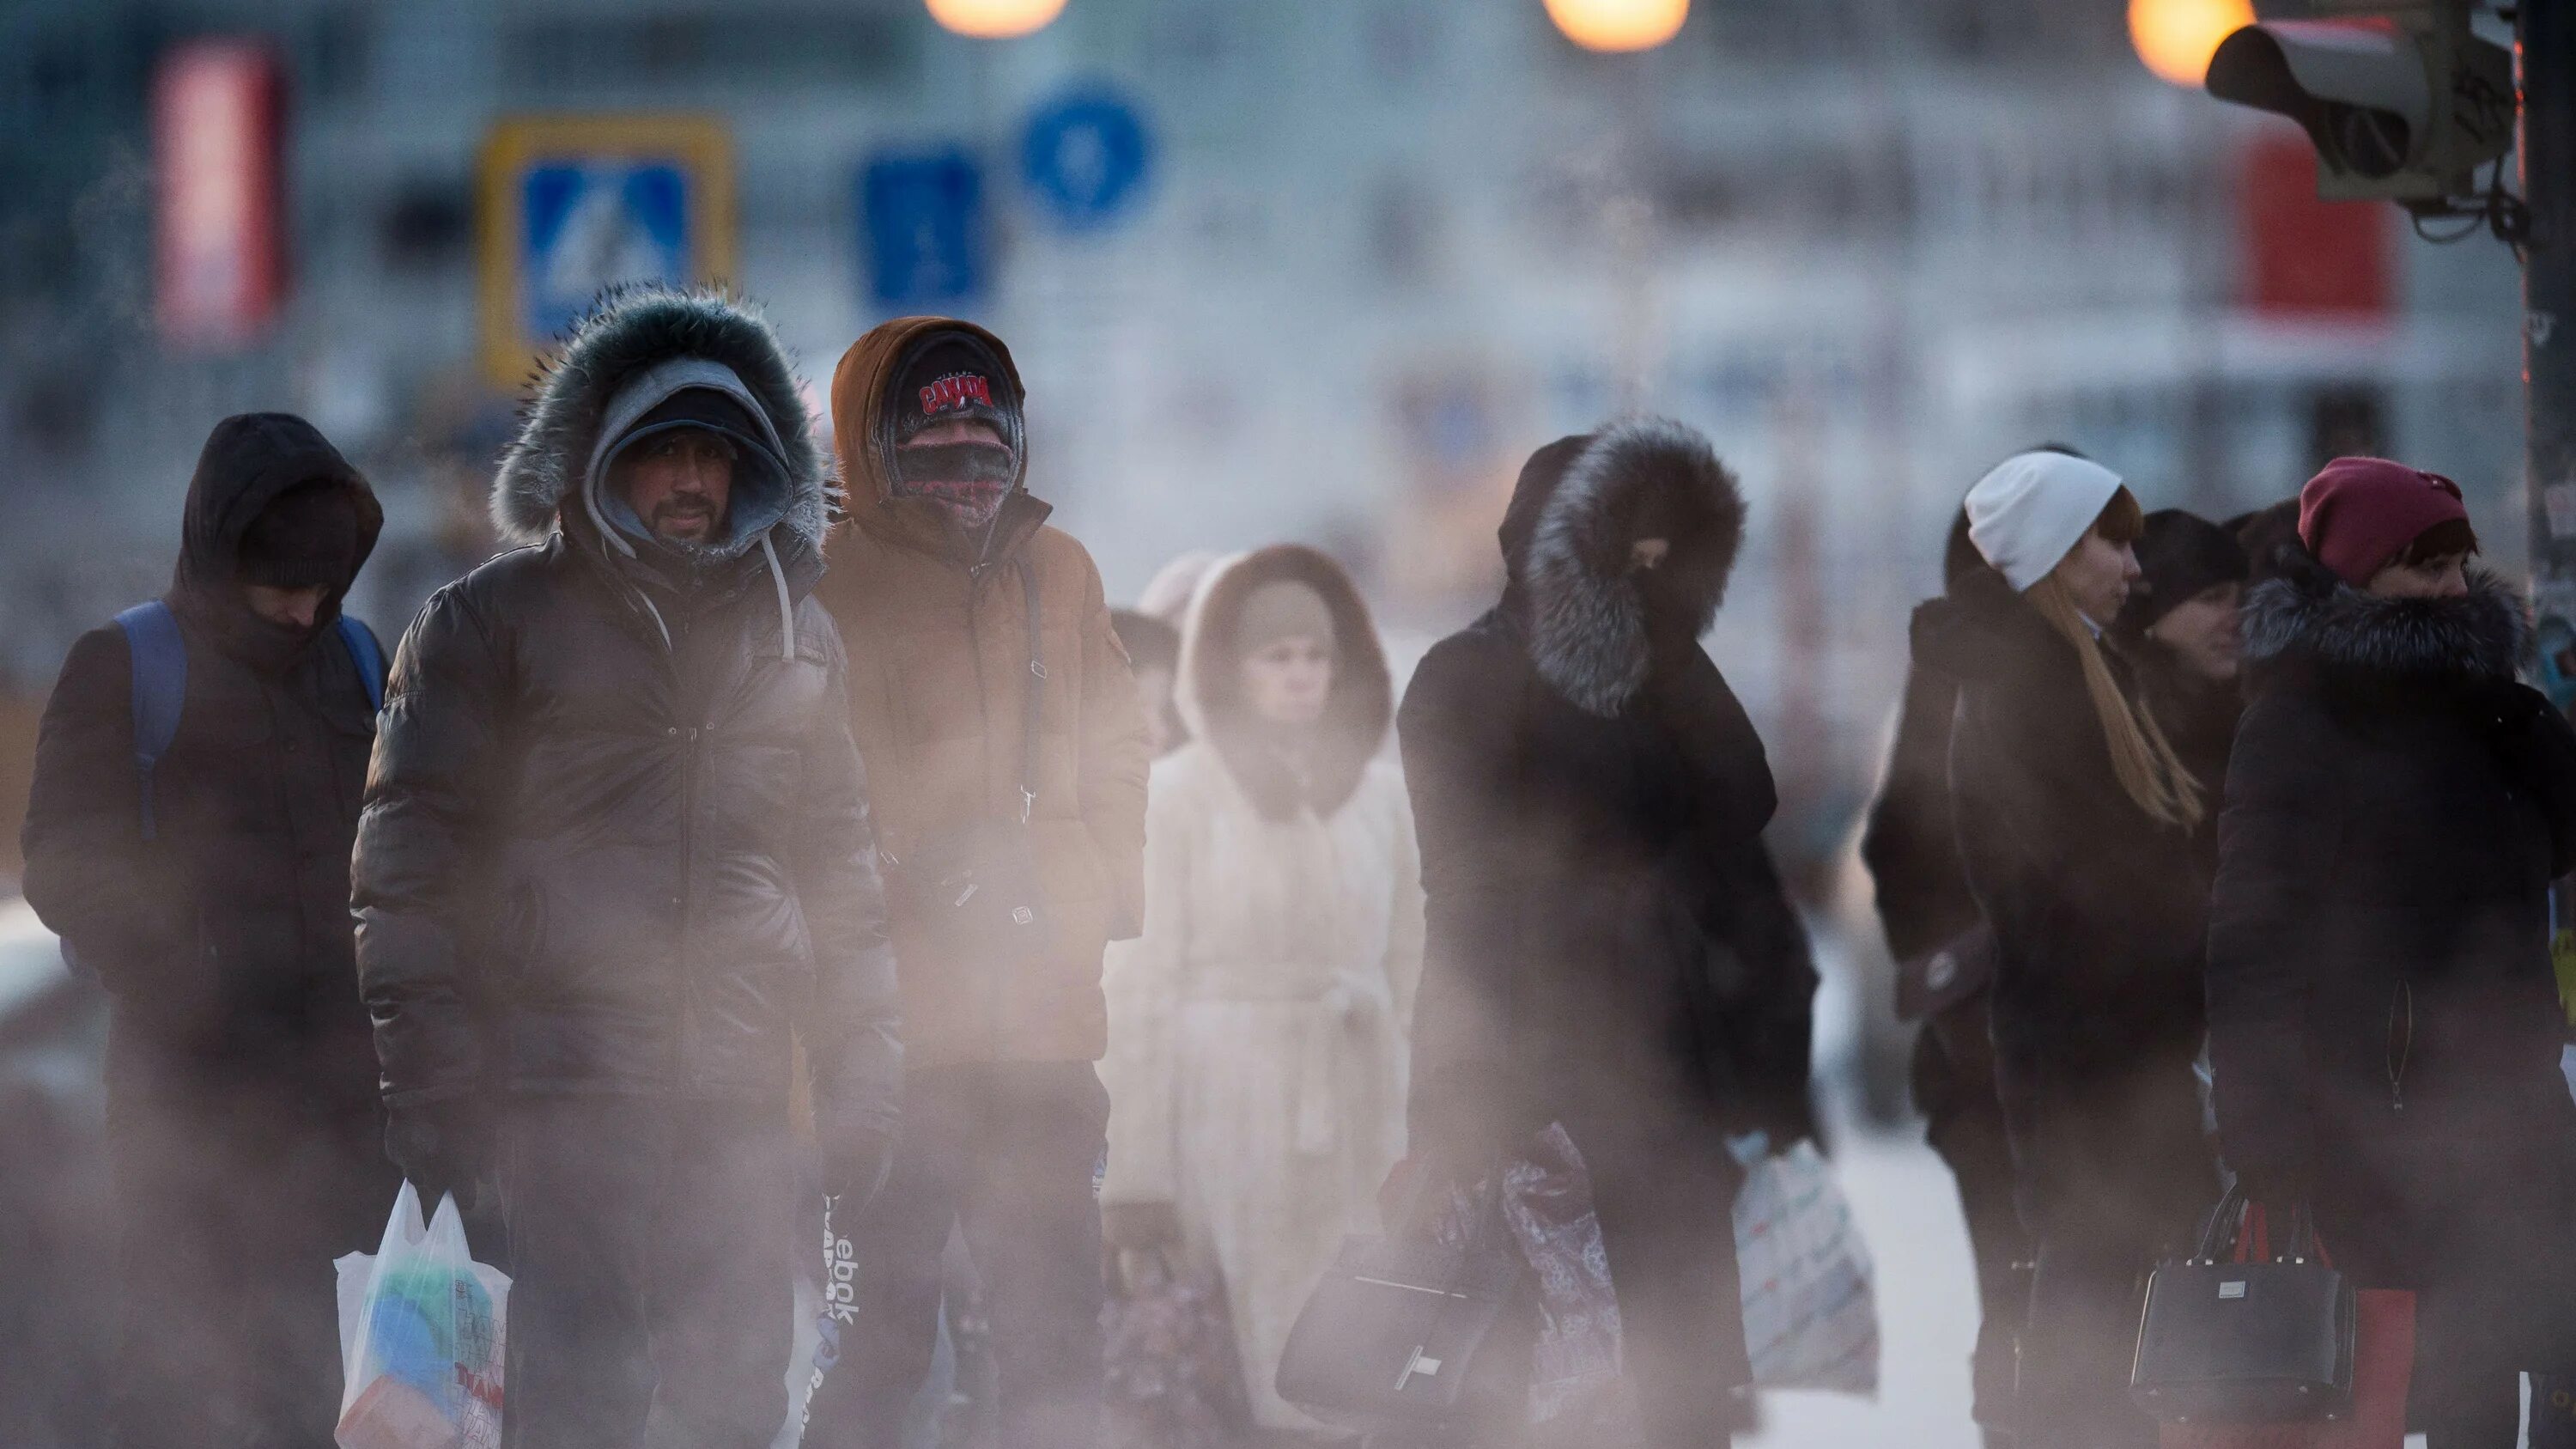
pixel 2401 1043
pixel 995 1004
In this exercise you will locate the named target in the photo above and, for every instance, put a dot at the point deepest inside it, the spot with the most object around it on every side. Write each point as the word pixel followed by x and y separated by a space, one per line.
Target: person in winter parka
pixel 616 862
pixel 1938 937
pixel 212 902
pixel 2073 817
pixel 1008 749
pixel 1608 944
pixel 2181 633
pixel 2383 1019
pixel 1257 1028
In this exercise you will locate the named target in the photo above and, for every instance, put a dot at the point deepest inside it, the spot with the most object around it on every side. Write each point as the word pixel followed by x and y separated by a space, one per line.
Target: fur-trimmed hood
pixel 1566 538
pixel 1209 689
pixel 2307 615
pixel 631 331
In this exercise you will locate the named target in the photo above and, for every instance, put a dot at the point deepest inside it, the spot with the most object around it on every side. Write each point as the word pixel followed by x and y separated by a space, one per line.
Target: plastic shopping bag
pixel 1810 1311
pixel 1577 1393
pixel 421 1336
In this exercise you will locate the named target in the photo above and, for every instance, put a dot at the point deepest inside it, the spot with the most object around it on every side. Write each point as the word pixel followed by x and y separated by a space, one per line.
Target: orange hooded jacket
pixel 936 629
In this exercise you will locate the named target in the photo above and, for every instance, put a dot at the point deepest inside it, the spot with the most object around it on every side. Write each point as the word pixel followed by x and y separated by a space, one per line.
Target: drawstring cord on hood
pixel 786 606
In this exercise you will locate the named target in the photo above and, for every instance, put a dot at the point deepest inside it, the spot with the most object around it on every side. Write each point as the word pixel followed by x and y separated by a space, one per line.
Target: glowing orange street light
pixel 1618 24
pixel 2176 38
pixel 995 19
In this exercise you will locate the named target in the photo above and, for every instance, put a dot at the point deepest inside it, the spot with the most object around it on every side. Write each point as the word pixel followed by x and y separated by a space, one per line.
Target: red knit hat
pixel 2359 513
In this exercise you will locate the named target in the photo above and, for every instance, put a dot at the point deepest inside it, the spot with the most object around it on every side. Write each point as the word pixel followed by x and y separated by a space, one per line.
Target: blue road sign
pixel 1087 157
pixel 568 205
pixel 921 218
pixel 588 225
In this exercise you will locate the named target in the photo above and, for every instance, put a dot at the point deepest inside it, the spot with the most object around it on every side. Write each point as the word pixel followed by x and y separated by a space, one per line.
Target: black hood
pixel 249 460
pixel 2307 617
pixel 1581 502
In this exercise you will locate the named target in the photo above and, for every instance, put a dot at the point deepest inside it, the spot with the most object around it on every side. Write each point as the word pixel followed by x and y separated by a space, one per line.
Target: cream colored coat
pixel 1257 1030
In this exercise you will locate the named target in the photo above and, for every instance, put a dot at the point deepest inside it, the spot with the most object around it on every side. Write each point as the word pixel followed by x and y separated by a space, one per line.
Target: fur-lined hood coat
pixel 617 835
pixel 1580 506
pixel 1209 688
pixel 1257 1030
pixel 2383 1014
pixel 635 331
pixel 1591 796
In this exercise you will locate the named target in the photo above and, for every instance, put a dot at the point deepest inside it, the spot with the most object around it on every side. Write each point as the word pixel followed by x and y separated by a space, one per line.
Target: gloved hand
pixel 441 1148
pixel 858 1156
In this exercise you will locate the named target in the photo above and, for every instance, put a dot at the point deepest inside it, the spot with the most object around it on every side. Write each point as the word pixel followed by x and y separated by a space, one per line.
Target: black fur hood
pixel 2306 615
pixel 632 329
pixel 1566 539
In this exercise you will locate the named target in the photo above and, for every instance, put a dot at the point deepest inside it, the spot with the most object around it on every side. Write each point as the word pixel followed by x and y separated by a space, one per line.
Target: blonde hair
pixel 2144 760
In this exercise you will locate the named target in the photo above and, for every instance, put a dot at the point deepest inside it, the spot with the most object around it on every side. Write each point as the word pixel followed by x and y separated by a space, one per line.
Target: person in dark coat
pixel 2383 1018
pixel 1609 947
pixel 242 1119
pixel 2179 633
pixel 2073 817
pixel 616 855
pixel 1936 933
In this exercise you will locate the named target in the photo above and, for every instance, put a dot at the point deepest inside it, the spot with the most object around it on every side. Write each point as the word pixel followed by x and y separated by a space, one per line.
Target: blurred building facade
pixel 1386 247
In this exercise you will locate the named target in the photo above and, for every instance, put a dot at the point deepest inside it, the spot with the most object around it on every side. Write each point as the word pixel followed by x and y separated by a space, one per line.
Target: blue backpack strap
pixel 160 687
pixel 369 659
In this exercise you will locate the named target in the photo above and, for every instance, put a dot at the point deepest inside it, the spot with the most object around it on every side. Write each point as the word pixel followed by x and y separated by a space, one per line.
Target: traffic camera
pixel 2403 106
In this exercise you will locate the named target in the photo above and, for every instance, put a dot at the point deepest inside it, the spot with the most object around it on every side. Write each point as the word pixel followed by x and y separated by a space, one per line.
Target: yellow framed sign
pixel 569 205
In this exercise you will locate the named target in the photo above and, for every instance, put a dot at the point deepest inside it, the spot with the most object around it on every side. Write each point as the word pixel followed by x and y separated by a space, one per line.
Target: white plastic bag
pixel 421 1337
pixel 1810 1312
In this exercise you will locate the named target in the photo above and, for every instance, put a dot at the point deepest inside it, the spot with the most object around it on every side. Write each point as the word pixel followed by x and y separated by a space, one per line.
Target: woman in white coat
pixel 1257 1029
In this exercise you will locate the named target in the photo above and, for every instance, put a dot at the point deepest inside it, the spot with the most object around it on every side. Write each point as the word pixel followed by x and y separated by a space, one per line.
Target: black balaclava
pixel 306 538
pixel 951 375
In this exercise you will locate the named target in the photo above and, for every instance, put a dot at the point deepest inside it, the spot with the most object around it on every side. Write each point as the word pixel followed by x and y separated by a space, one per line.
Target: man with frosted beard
pixel 994 705
pixel 616 865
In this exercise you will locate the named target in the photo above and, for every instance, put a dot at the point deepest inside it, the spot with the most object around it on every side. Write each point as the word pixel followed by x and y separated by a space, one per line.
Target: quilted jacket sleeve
pixel 426 815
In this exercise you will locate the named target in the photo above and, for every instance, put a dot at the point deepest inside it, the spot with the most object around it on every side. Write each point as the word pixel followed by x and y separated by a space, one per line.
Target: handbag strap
pixel 1034 695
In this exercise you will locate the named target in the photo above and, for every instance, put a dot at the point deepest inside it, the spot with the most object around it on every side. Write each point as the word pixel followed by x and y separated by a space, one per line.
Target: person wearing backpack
pixel 196 792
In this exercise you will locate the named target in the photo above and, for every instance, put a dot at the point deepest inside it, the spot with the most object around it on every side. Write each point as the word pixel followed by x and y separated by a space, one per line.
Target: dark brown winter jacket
pixel 939 675
pixel 617 835
pixel 1604 923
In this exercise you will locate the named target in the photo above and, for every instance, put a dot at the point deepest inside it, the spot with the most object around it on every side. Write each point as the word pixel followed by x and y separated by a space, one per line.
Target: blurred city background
pixel 1323 270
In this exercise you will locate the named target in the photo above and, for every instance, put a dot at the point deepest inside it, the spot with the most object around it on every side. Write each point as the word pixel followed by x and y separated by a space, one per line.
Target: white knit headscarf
pixel 2033 509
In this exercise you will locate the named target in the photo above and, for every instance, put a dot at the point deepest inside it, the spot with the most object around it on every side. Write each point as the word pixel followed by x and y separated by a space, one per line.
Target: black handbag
pixel 976 889
pixel 1408 1336
pixel 2246 1342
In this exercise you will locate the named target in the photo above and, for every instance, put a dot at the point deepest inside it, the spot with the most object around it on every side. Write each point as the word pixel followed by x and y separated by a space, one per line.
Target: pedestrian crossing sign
pixel 570 205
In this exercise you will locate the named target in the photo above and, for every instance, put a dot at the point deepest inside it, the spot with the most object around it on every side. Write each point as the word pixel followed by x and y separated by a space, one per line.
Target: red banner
pixel 2307 257
pixel 216 121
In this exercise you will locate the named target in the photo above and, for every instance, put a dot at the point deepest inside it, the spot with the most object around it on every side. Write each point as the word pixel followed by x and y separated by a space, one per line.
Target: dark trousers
pixel 1664 1191
pixel 652 1248
pixel 1968 1134
pixel 232 1202
pixel 2109 1181
pixel 2079 1344
pixel 1008 1154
